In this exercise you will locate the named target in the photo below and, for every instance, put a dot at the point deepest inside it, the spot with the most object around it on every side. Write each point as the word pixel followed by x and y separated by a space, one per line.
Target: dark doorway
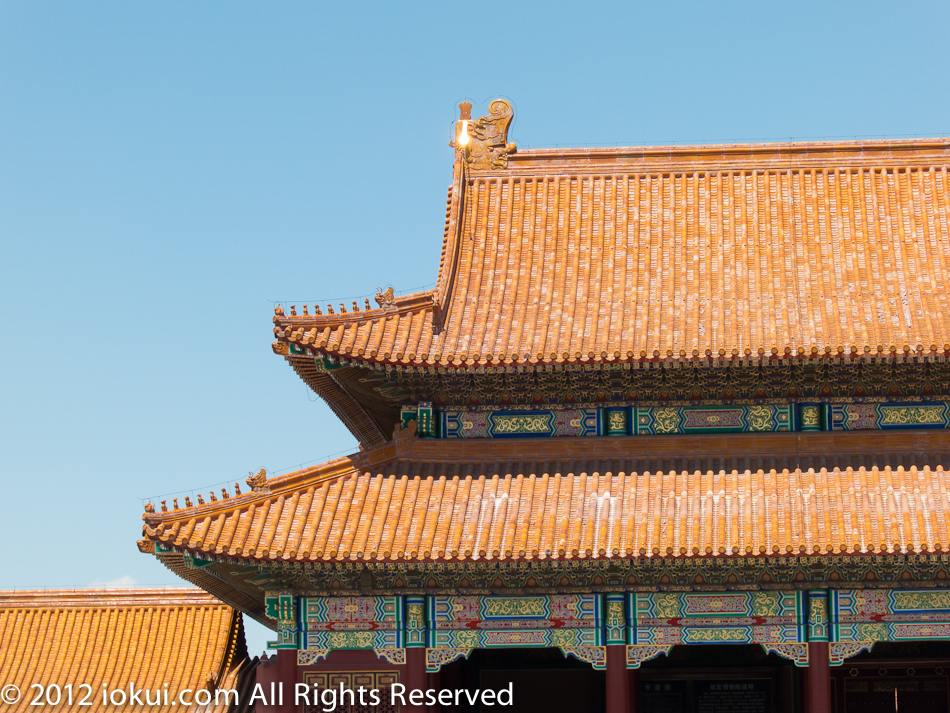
pixel 907 677
pixel 711 678
pixel 544 680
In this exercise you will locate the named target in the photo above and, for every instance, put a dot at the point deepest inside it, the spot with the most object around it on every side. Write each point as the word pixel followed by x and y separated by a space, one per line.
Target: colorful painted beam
pixel 435 422
pixel 582 625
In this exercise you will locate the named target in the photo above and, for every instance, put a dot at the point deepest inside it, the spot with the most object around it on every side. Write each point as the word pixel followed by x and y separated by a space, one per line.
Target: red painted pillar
pixel 618 682
pixel 287 678
pixel 415 676
pixel 818 680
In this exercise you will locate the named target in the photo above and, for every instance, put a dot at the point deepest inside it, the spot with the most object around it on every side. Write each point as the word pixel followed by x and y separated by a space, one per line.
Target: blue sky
pixel 169 170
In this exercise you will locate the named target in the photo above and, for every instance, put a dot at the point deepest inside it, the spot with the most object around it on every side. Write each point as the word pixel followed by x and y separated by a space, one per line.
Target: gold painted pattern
pixel 917 601
pixel 665 420
pixel 760 418
pixel 717 635
pixel 911 415
pixel 809 416
pixel 510 424
pixel 616 420
pixel 514 607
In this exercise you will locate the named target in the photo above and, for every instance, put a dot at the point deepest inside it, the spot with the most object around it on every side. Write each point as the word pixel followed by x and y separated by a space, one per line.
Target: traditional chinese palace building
pixel 669 434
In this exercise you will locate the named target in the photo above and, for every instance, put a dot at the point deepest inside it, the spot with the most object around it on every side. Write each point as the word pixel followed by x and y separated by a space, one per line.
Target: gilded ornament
pixel 912 415
pixel 920 601
pixel 530 424
pixel 397 656
pixel 350 639
pixel 794 652
pixel 437 658
pixel 617 421
pixel 665 420
pixel 514 607
pixel 809 417
pixel 761 418
pixel 637 654
pixel 596 656
pixel 308 657
pixel 841 650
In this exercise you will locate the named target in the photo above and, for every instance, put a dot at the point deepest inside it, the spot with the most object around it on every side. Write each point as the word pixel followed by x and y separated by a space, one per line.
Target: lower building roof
pixel 184 638
pixel 424 500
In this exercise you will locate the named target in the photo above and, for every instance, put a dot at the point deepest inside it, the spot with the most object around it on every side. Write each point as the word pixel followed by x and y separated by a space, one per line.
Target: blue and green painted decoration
pixel 451 423
pixel 648 623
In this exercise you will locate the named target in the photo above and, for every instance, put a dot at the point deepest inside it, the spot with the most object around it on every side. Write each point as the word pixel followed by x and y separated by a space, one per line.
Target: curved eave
pixel 431 501
pixel 841 354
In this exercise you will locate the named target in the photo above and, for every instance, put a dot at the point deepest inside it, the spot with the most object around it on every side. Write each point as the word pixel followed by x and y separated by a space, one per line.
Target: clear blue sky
pixel 168 170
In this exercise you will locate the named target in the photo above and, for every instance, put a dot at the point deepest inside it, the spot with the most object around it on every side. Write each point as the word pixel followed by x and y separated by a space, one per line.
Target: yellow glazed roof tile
pixel 152 637
pixel 672 253
pixel 513 499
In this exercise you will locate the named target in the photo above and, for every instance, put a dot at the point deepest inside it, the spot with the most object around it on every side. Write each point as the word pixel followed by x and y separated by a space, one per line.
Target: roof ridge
pixel 839 148
pixel 99 598
pixel 390 304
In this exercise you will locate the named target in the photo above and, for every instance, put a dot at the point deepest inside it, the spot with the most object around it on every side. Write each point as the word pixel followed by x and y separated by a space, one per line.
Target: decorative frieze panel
pixel 352 640
pixel 867 615
pixel 888 416
pixel 726 617
pixel 673 419
pixel 352 622
pixel 352 613
pixel 571 622
pixel 582 625
pixel 465 639
pixel 660 420
pixel 521 424
pixel 554 611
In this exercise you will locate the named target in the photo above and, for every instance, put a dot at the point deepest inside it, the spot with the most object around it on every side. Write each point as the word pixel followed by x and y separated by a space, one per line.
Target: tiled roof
pixel 152 637
pixel 675 253
pixel 518 499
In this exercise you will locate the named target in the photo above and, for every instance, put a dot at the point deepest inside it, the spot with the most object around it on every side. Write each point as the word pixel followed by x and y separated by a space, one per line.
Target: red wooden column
pixel 618 681
pixel 287 678
pixel 415 676
pixel 818 680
